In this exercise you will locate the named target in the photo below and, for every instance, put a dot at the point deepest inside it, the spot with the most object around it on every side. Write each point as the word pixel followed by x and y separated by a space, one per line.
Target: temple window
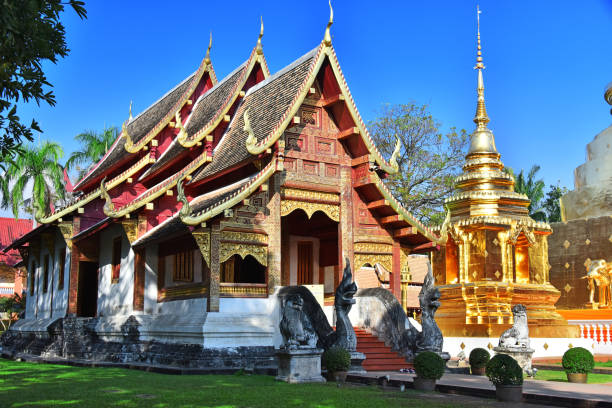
pixel 521 259
pixel 183 267
pixel 452 267
pixel 46 273
pixel 62 266
pixel 238 270
pixel 116 260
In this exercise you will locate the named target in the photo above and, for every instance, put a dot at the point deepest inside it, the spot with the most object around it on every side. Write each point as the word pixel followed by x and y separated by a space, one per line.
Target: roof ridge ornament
pixel 130 118
pixel 129 143
pixel 251 139
pixel 182 134
pixel 180 197
pixel 608 95
pixel 207 57
pixel 109 207
pixel 393 160
pixel 327 38
pixel 259 48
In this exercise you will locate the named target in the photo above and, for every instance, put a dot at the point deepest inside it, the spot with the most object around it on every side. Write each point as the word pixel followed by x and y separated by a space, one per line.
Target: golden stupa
pixel 493 254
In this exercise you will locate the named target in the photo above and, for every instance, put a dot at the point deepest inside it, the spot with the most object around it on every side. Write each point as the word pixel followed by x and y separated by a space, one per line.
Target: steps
pixel 379 357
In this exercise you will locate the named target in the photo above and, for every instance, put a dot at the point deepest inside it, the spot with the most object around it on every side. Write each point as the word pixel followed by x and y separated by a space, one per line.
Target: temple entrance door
pixel 304 263
pixel 310 251
pixel 87 297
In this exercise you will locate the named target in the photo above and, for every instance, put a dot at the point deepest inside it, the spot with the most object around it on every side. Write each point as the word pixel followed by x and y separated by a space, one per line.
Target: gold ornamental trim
pixel 182 292
pixel 97 192
pixel 66 228
pixel 228 249
pixel 373 248
pixel 331 210
pixel 246 237
pixel 242 290
pixel 202 238
pixel 372 259
pixel 130 227
pixel 249 188
pixel 300 194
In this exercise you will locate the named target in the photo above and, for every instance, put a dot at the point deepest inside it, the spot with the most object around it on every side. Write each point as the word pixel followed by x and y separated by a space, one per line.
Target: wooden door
pixel 304 266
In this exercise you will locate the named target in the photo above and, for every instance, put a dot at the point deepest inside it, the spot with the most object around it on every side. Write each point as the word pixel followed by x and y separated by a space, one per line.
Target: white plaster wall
pixel 115 298
pixel 555 347
pixel 329 279
pixel 150 285
pixel 293 256
pixel 60 296
pixel 43 310
pixel 189 307
pixel 245 305
pixel 31 300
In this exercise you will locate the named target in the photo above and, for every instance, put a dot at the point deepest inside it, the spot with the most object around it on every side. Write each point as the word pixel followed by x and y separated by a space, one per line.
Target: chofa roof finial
pixel 327 37
pixel 130 118
pixel 261 32
pixel 207 57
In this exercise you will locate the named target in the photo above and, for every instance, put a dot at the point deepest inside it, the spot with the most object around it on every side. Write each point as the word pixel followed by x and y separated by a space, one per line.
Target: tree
pixel 30 34
pixel 35 168
pixel 428 161
pixel 93 146
pixel 551 202
pixel 532 188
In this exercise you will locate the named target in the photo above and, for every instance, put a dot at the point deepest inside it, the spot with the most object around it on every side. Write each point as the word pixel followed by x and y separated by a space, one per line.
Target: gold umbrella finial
pixel 261 32
pixel 327 37
pixel 207 57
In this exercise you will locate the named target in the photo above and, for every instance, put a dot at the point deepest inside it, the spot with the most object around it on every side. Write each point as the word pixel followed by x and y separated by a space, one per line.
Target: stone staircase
pixel 379 357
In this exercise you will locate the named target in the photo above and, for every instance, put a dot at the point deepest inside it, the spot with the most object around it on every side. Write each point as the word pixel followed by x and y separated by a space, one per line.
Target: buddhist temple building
pixel 214 197
pixel 494 254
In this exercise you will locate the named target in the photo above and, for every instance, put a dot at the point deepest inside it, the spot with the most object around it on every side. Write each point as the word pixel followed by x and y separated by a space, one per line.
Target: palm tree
pixel 36 168
pixel 532 188
pixel 93 146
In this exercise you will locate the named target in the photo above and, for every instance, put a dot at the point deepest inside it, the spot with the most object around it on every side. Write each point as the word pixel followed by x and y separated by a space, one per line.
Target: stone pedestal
pixel 522 355
pixel 299 366
pixel 356 363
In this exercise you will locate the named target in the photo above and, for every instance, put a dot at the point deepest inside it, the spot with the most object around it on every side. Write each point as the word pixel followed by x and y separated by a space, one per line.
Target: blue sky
pixel 547 63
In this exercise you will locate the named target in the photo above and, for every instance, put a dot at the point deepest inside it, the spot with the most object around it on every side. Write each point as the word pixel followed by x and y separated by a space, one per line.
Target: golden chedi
pixel 493 254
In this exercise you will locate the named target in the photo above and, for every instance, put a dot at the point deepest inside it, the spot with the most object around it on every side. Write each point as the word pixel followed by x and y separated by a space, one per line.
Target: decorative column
pixel 274 230
pixel 395 278
pixel 345 226
pixel 73 283
pixel 215 269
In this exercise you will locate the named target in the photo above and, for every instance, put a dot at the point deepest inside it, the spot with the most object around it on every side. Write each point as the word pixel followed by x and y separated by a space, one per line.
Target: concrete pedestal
pixel 356 363
pixel 522 355
pixel 299 366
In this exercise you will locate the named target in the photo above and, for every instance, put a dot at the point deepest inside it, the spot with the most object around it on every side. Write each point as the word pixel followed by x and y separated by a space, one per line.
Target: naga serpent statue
pixel 344 335
pixel 430 337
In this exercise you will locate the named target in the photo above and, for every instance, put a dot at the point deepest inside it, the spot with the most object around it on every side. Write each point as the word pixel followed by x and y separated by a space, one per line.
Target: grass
pixel 552 375
pixel 597 364
pixel 43 385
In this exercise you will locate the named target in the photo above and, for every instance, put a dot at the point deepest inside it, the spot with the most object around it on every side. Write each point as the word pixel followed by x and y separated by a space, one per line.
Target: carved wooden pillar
pixel 395 278
pixel 345 226
pixel 274 231
pixel 215 268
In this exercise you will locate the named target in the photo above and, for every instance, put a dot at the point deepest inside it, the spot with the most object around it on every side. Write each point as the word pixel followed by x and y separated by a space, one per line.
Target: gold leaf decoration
pixel 566 244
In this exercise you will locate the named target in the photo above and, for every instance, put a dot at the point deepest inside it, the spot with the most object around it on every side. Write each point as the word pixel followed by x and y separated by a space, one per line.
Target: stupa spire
pixel 482 140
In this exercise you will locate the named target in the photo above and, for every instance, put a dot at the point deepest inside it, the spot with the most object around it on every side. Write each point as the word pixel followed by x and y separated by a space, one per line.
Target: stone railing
pixel 7 289
pixel 243 289
pixel 599 332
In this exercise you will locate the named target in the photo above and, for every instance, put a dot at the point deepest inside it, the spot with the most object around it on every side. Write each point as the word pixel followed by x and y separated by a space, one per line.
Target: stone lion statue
pixel 599 274
pixel 518 334
pixel 294 326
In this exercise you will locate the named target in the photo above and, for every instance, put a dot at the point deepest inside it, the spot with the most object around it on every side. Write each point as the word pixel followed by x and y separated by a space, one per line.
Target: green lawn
pixel 43 385
pixel 551 375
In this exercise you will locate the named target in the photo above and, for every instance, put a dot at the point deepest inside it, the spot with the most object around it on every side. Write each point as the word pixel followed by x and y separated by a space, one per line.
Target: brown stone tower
pixel 494 254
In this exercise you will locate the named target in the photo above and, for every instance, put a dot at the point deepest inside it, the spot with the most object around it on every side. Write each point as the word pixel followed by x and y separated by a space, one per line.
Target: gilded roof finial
pixel 481 118
pixel 608 95
pixel 207 57
pixel 259 46
pixel 327 37
pixel 130 118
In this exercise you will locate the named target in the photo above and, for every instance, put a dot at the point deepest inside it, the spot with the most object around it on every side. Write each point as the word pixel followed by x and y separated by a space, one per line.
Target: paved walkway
pixel 534 391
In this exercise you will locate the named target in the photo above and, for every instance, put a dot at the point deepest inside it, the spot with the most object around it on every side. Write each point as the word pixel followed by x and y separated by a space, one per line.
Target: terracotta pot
pixel 577 377
pixel 337 376
pixel 424 384
pixel 510 393
pixel 478 370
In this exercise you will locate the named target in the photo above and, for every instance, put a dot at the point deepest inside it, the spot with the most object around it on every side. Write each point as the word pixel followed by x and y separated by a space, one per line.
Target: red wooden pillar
pixel 73 284
pixel 395 282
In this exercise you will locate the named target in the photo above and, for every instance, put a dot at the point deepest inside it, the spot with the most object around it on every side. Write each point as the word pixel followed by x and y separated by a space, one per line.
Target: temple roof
pixel 267 104
pixel 10 230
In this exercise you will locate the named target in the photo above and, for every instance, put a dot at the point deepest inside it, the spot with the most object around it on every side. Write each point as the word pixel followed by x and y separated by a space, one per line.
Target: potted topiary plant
pixel 479 358
pixel 507 375
pixel 429 367
pixel 337 361
pixel 577 362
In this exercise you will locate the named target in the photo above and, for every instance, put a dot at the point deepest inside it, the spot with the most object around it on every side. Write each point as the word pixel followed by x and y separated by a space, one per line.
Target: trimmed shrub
pixel 429 365
pixel 479 358
pixel 336 359
pixel 578 360
pixel 504 370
